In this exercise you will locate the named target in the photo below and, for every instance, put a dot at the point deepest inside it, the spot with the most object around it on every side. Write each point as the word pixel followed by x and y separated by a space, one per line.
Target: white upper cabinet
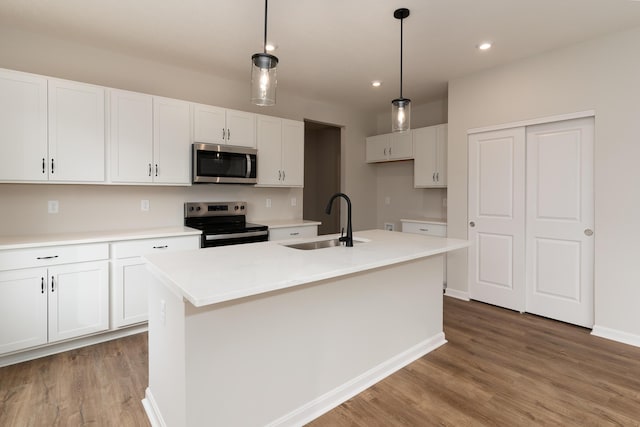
pixel 389 147
pixel 131 136
pixel 23 127
pixel 215 125
pixel 171 141
pixel 76 132
pixel 280 152
pixel 150 139
pixel 430 154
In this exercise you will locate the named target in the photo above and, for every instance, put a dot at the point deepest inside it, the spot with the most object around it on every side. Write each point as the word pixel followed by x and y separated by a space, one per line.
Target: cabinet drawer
pixel 428 229
pixel 293 232
pixel 134 248
pixel 52 255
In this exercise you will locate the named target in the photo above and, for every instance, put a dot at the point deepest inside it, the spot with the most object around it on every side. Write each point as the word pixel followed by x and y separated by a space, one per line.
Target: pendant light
pixel 263 73
pixel 401 107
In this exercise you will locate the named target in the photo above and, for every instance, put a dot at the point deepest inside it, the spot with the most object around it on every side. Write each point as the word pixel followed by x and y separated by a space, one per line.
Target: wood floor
pixel 499 368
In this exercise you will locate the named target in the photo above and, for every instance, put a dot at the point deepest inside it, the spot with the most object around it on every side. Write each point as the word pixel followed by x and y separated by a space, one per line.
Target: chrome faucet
pixel 348 239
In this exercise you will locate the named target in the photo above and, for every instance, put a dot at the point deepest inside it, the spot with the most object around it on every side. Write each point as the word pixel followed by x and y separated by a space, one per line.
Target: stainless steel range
pixel 223 223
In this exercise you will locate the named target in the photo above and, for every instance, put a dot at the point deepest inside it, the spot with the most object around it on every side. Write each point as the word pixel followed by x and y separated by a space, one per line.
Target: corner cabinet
pixel 280 152
pixel 215 125
pixel 430 157
pixel 389 147
pixel 23 127
pixel 52 294
pixel 149 138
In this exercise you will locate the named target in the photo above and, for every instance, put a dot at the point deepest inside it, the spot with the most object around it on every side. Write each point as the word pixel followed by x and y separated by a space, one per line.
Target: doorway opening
pixel 322 159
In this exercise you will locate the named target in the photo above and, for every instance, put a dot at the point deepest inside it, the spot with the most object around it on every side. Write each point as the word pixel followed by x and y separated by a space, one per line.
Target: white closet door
pixel 496 217
pixel 559 224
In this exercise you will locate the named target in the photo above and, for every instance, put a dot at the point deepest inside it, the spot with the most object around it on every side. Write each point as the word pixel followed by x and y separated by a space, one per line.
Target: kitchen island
pixel 266 334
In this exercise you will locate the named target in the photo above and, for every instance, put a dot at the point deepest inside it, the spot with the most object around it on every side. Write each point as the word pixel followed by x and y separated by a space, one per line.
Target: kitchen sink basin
pixel 319 244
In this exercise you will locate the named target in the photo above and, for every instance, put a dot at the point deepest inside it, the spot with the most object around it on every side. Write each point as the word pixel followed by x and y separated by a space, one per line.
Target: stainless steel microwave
pixel 224 164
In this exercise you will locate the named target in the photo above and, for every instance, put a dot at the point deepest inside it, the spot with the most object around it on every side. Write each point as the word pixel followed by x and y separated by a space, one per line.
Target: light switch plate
pixel 144 205
pixel 389 226
pixel 52 206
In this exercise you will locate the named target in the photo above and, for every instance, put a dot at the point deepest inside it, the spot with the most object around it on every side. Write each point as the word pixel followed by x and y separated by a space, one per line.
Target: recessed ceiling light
pixel 376 83
pixel 484 46
pixel 271 47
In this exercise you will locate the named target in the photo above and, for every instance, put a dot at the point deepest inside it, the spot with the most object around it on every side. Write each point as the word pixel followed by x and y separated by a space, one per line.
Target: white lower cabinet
pixel 428 229
pixel 296 232
pixel 129 276
pixel 48 302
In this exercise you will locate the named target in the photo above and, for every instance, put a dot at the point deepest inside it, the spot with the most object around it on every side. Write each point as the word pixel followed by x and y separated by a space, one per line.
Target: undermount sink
pixel 319 244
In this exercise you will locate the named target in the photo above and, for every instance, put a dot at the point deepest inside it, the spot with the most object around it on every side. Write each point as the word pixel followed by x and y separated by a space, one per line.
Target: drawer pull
pixel 161 247
pixel 424 229
pixel 47 257
pixel 294 234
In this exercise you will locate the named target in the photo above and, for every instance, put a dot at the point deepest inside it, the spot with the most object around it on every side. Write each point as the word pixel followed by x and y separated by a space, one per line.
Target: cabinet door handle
pixel 283 175
pixel 149 169
pixel 52 285
pixel 42 285
pixel 47 257
pixel 228 134
pixel 385 151
pixel 433 177
pixel 389 150
pixel 161 247
pixel 279 175
pixel 44 165
pixel 53 169
pixel 438 176
pixel 156 169
pixel 223 134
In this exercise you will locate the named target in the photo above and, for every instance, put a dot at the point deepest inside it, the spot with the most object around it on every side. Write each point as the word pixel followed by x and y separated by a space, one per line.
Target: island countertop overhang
pixel 216 275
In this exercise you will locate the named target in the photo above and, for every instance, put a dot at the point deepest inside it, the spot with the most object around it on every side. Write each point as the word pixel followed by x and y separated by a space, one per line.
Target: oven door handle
pixel 248 166
pixel 236 235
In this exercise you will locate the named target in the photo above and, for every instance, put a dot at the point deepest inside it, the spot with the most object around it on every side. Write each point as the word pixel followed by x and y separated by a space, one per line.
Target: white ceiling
pixel 330 49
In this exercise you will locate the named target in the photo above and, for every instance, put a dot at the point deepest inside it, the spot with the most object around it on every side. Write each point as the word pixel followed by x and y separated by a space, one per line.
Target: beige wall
pixel 600 75
pixel 394 180
pixel 23 207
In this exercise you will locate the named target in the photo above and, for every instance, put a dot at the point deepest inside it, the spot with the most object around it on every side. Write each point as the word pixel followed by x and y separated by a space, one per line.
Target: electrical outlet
pixel 268 203
pixel 387 200
pixel 144 205
pixel 294 202
pixel 52 206
pixel 389 226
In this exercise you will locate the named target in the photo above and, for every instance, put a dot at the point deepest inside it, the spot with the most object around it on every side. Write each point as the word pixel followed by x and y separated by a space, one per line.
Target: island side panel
pixel 286 357
pixel 166 393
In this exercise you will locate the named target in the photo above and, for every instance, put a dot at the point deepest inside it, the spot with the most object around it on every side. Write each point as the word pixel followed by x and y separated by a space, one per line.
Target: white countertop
pixel 22 242
pixel 425 220
pixel 284 223
pixel 213 275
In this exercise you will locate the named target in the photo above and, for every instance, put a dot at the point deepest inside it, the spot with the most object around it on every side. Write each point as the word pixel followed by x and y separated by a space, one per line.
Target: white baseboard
pixel 346 391
pixel 457 294
pixel 151 409
pixel 615 335
pixel 49 349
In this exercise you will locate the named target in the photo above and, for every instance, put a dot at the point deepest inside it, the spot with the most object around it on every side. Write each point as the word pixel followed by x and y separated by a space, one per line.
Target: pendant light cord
pixel 266 5
pixel 401 32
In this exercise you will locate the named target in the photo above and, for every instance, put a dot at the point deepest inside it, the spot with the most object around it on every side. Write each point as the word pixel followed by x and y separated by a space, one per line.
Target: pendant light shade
pixel 401 107
pixel 263 72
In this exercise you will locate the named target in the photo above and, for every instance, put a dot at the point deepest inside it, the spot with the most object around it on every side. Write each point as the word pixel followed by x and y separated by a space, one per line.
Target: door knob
pixel 588 232
pixel 472 224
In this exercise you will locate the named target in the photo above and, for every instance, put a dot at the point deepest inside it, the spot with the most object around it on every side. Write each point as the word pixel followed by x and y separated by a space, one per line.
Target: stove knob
pixel 191 208
pixel 242 207
pixel 235 208
pixel 198 208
